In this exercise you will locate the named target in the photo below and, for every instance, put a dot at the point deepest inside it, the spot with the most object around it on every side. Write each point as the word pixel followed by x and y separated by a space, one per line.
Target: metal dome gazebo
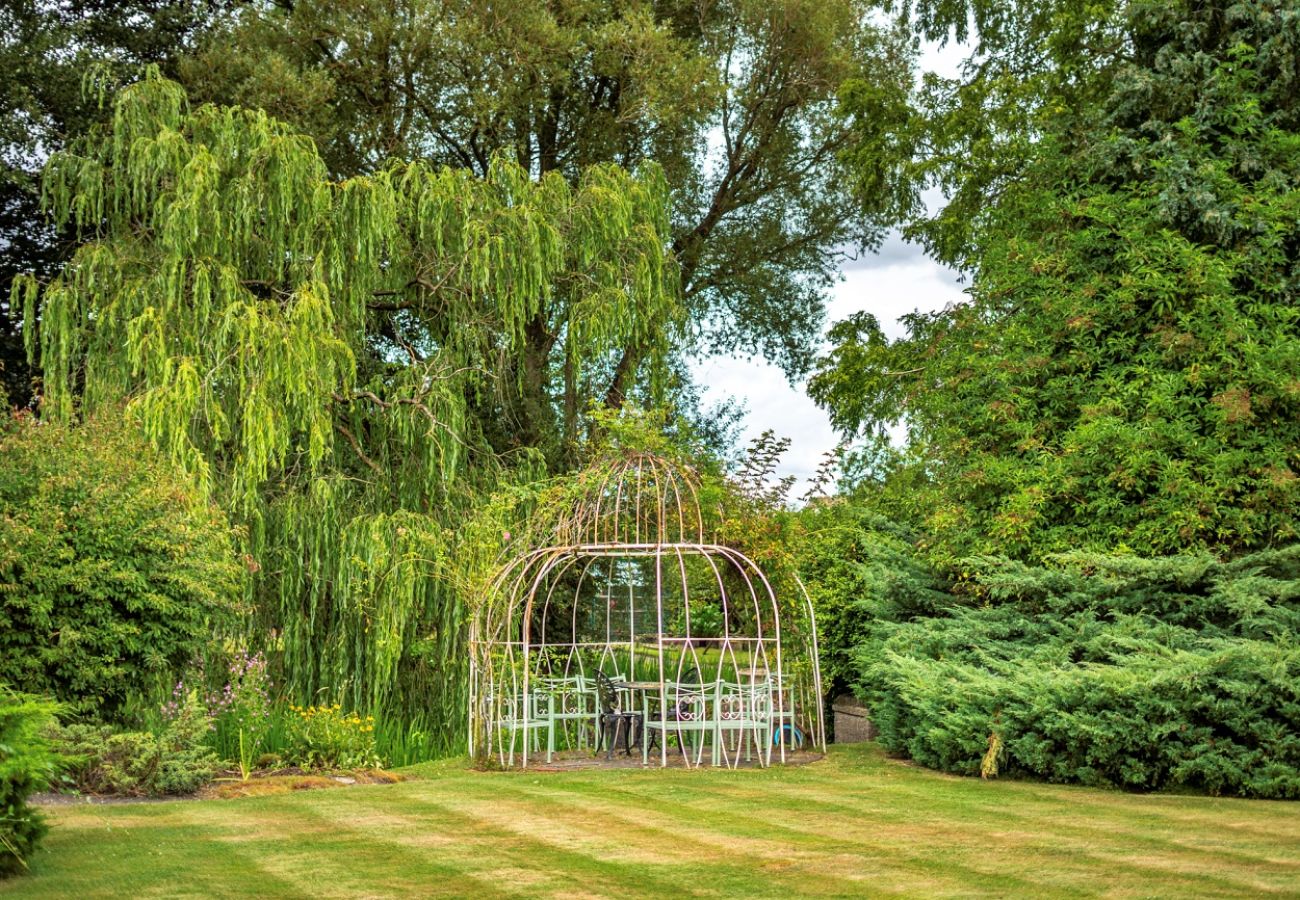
pixel 699 647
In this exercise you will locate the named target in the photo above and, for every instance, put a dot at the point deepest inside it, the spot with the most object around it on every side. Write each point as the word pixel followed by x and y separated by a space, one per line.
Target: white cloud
pixel 909 283
pixel 896 280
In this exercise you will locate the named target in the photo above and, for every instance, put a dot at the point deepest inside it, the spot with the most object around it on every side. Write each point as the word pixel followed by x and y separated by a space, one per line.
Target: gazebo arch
pixel 705 648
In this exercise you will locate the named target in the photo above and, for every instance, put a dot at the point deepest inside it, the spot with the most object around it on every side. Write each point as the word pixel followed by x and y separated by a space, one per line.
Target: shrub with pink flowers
pixel 242 707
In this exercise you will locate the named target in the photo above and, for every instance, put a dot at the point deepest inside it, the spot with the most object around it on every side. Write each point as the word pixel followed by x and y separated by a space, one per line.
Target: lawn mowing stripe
pixel 806 853
pixel 277 842
pixel 1127 814
pixel 588 808
pixel 179 854
pixel 1055 827
pixel 741 823
pixel 530 845
pixel 337 816
pixel 893 816
pixel 748 794
pixel 853 824
pixel 1099 802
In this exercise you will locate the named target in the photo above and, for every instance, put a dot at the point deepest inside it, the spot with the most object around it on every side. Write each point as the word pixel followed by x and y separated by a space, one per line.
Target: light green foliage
pixel 114 570
pixel 1126 372
pixel 228 284
pixel 1143 674
pixel 244 303
pixel 27 765
pixel 325 737
pixel 174 759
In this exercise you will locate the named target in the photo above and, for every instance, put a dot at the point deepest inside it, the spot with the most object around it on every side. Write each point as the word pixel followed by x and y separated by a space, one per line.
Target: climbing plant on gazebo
pixel 638 569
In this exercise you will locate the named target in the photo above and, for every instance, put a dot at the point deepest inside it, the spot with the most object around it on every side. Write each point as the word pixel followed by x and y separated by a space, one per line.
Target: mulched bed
pixel 229 785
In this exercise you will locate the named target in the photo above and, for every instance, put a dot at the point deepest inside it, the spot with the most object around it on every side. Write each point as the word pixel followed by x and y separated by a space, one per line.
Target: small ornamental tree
pixel 110 569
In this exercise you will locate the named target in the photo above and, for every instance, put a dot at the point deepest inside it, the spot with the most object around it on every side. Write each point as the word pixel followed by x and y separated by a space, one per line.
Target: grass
pixel 855 824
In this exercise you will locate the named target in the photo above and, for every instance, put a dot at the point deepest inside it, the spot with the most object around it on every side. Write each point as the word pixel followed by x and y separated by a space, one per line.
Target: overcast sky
pixel 890 283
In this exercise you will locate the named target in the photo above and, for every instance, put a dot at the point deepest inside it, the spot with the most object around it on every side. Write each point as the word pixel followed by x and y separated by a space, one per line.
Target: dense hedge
pixel 27 765
pixel 1138 673
pixel 112 573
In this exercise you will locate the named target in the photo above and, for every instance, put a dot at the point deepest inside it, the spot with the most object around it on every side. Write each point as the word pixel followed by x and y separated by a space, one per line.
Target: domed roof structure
pixel 636 498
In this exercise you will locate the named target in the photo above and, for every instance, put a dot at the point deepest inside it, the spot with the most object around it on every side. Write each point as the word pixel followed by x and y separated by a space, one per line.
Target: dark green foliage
pixel 1127 371
pixel 176 759
pixel 733 98
pixel 47 47
pixel 859 568
pixel 27 765
pixel 1143 674
pixel 111 574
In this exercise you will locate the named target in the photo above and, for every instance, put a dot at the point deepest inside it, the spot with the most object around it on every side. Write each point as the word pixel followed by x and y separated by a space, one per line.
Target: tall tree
pixel 227 287
pixel 1127 370
pixel 733 99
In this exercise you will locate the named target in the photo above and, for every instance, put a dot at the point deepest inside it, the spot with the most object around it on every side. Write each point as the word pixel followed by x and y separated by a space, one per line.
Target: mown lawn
pixel 854 824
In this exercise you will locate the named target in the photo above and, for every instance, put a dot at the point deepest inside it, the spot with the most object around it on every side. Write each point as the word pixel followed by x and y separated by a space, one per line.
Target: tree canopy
pixel 1126 372
pixel 735 100
pixel 240 297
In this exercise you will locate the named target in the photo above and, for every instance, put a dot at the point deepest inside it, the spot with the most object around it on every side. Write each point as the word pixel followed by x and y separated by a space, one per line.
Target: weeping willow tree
pixel 248 309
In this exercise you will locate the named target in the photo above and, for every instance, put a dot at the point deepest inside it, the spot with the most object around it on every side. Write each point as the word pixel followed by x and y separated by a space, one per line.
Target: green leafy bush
pixel 325 737
pixel 1138 673
pixel 174 760
pixel 27 765
pixel 112 571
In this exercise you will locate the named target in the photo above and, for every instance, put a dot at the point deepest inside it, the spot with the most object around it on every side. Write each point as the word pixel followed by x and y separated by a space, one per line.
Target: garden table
pixel 645 689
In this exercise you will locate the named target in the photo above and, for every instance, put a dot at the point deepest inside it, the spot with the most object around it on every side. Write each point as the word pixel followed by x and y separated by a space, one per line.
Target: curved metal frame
pixel 643 512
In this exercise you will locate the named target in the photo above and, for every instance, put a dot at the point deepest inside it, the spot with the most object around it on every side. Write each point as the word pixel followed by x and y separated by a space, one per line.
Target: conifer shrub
pixel 27 765
pixel 174 758
pixel 1145 674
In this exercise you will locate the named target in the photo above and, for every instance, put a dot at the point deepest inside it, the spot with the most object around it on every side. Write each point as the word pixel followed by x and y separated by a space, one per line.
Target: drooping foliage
pixel 244 303
pixel 114 570
pixel 1127 370
pixel 1137 673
